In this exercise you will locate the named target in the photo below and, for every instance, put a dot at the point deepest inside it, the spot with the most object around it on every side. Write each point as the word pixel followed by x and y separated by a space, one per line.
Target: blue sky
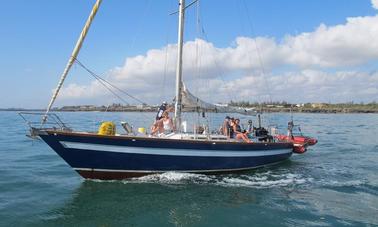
pixel 37 37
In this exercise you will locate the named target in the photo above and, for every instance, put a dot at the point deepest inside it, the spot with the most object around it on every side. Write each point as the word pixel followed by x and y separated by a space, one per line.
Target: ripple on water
pixel 254 180
pixel 334 183
pixel 350 206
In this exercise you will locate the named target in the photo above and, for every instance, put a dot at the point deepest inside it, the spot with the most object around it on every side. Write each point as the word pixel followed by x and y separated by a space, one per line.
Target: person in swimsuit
pixel 164 125
pixel 168 126
pixel 238 133
pixel 164 108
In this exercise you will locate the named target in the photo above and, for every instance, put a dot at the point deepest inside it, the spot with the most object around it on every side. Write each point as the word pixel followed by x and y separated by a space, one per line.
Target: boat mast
pixel 72 59
pixel 179 65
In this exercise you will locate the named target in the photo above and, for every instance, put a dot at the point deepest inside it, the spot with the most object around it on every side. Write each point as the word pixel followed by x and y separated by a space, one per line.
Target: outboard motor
pixel 261 132
pixel 263 135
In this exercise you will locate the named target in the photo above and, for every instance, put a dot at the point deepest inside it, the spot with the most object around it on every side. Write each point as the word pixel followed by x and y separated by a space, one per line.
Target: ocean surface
pixel 334 184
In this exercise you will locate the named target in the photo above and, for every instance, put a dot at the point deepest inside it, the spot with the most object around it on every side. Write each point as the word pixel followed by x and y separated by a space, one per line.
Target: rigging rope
pixel 104 82
pixel 198 73
pixel 166 58
pixel 218 67
pixel 257 49
pixel 263 71
pixel 74 54
pixel 107 85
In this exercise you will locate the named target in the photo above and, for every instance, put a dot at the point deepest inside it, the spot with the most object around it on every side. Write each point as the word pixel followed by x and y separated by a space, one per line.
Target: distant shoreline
pixel 270 109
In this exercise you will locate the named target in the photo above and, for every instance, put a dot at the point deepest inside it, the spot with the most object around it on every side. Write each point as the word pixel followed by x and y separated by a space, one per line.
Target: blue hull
pixel 118 157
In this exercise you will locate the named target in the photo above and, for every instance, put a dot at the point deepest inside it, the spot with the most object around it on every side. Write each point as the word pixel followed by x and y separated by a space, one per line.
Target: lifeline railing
pixel 33 120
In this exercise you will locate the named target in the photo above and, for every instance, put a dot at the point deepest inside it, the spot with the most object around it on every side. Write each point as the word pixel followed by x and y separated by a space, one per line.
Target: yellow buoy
pixel 142 130
pixel 107 128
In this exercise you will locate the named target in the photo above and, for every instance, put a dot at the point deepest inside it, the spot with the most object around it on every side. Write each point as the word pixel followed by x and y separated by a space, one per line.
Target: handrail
pixel 54 120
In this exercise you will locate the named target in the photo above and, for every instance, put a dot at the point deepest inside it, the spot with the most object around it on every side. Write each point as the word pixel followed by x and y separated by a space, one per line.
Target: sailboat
pixel 109 157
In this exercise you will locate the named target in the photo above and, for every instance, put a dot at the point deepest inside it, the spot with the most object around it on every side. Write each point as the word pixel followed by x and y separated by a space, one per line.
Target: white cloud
pixel 374 3
pixel 305 85
pixel 349 44
pixel 235 72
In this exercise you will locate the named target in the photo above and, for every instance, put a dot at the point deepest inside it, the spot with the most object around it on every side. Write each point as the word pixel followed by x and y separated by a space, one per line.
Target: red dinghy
pixel 297 139
pixel 300 141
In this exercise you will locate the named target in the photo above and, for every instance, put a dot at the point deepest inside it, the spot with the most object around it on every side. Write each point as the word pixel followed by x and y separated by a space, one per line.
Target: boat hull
pixel 119 157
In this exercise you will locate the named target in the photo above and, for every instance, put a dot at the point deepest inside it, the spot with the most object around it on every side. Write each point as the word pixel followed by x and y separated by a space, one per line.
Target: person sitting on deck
pixel 164 108
pixel 238 133
pixel 164 125
pixel 168 125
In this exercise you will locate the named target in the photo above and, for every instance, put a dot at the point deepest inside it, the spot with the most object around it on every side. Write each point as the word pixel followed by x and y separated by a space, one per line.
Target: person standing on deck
pixel 225 129
pixel 163 108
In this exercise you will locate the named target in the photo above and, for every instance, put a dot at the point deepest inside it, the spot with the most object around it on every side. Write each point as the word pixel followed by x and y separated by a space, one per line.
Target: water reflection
pixel 146 204
pixel 176 199
pixel 346 205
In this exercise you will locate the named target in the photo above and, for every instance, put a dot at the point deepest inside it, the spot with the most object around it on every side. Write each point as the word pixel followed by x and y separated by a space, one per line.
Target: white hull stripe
pixel 172 152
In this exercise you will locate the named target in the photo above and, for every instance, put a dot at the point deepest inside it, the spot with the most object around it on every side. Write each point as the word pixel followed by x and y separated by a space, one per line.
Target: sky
pixel 251 50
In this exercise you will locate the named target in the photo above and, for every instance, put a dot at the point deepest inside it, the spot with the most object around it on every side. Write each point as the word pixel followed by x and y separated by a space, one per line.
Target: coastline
pixel 263 109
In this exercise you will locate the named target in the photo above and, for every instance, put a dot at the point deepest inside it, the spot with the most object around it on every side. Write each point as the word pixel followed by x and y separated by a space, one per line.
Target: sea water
pixel 334 184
